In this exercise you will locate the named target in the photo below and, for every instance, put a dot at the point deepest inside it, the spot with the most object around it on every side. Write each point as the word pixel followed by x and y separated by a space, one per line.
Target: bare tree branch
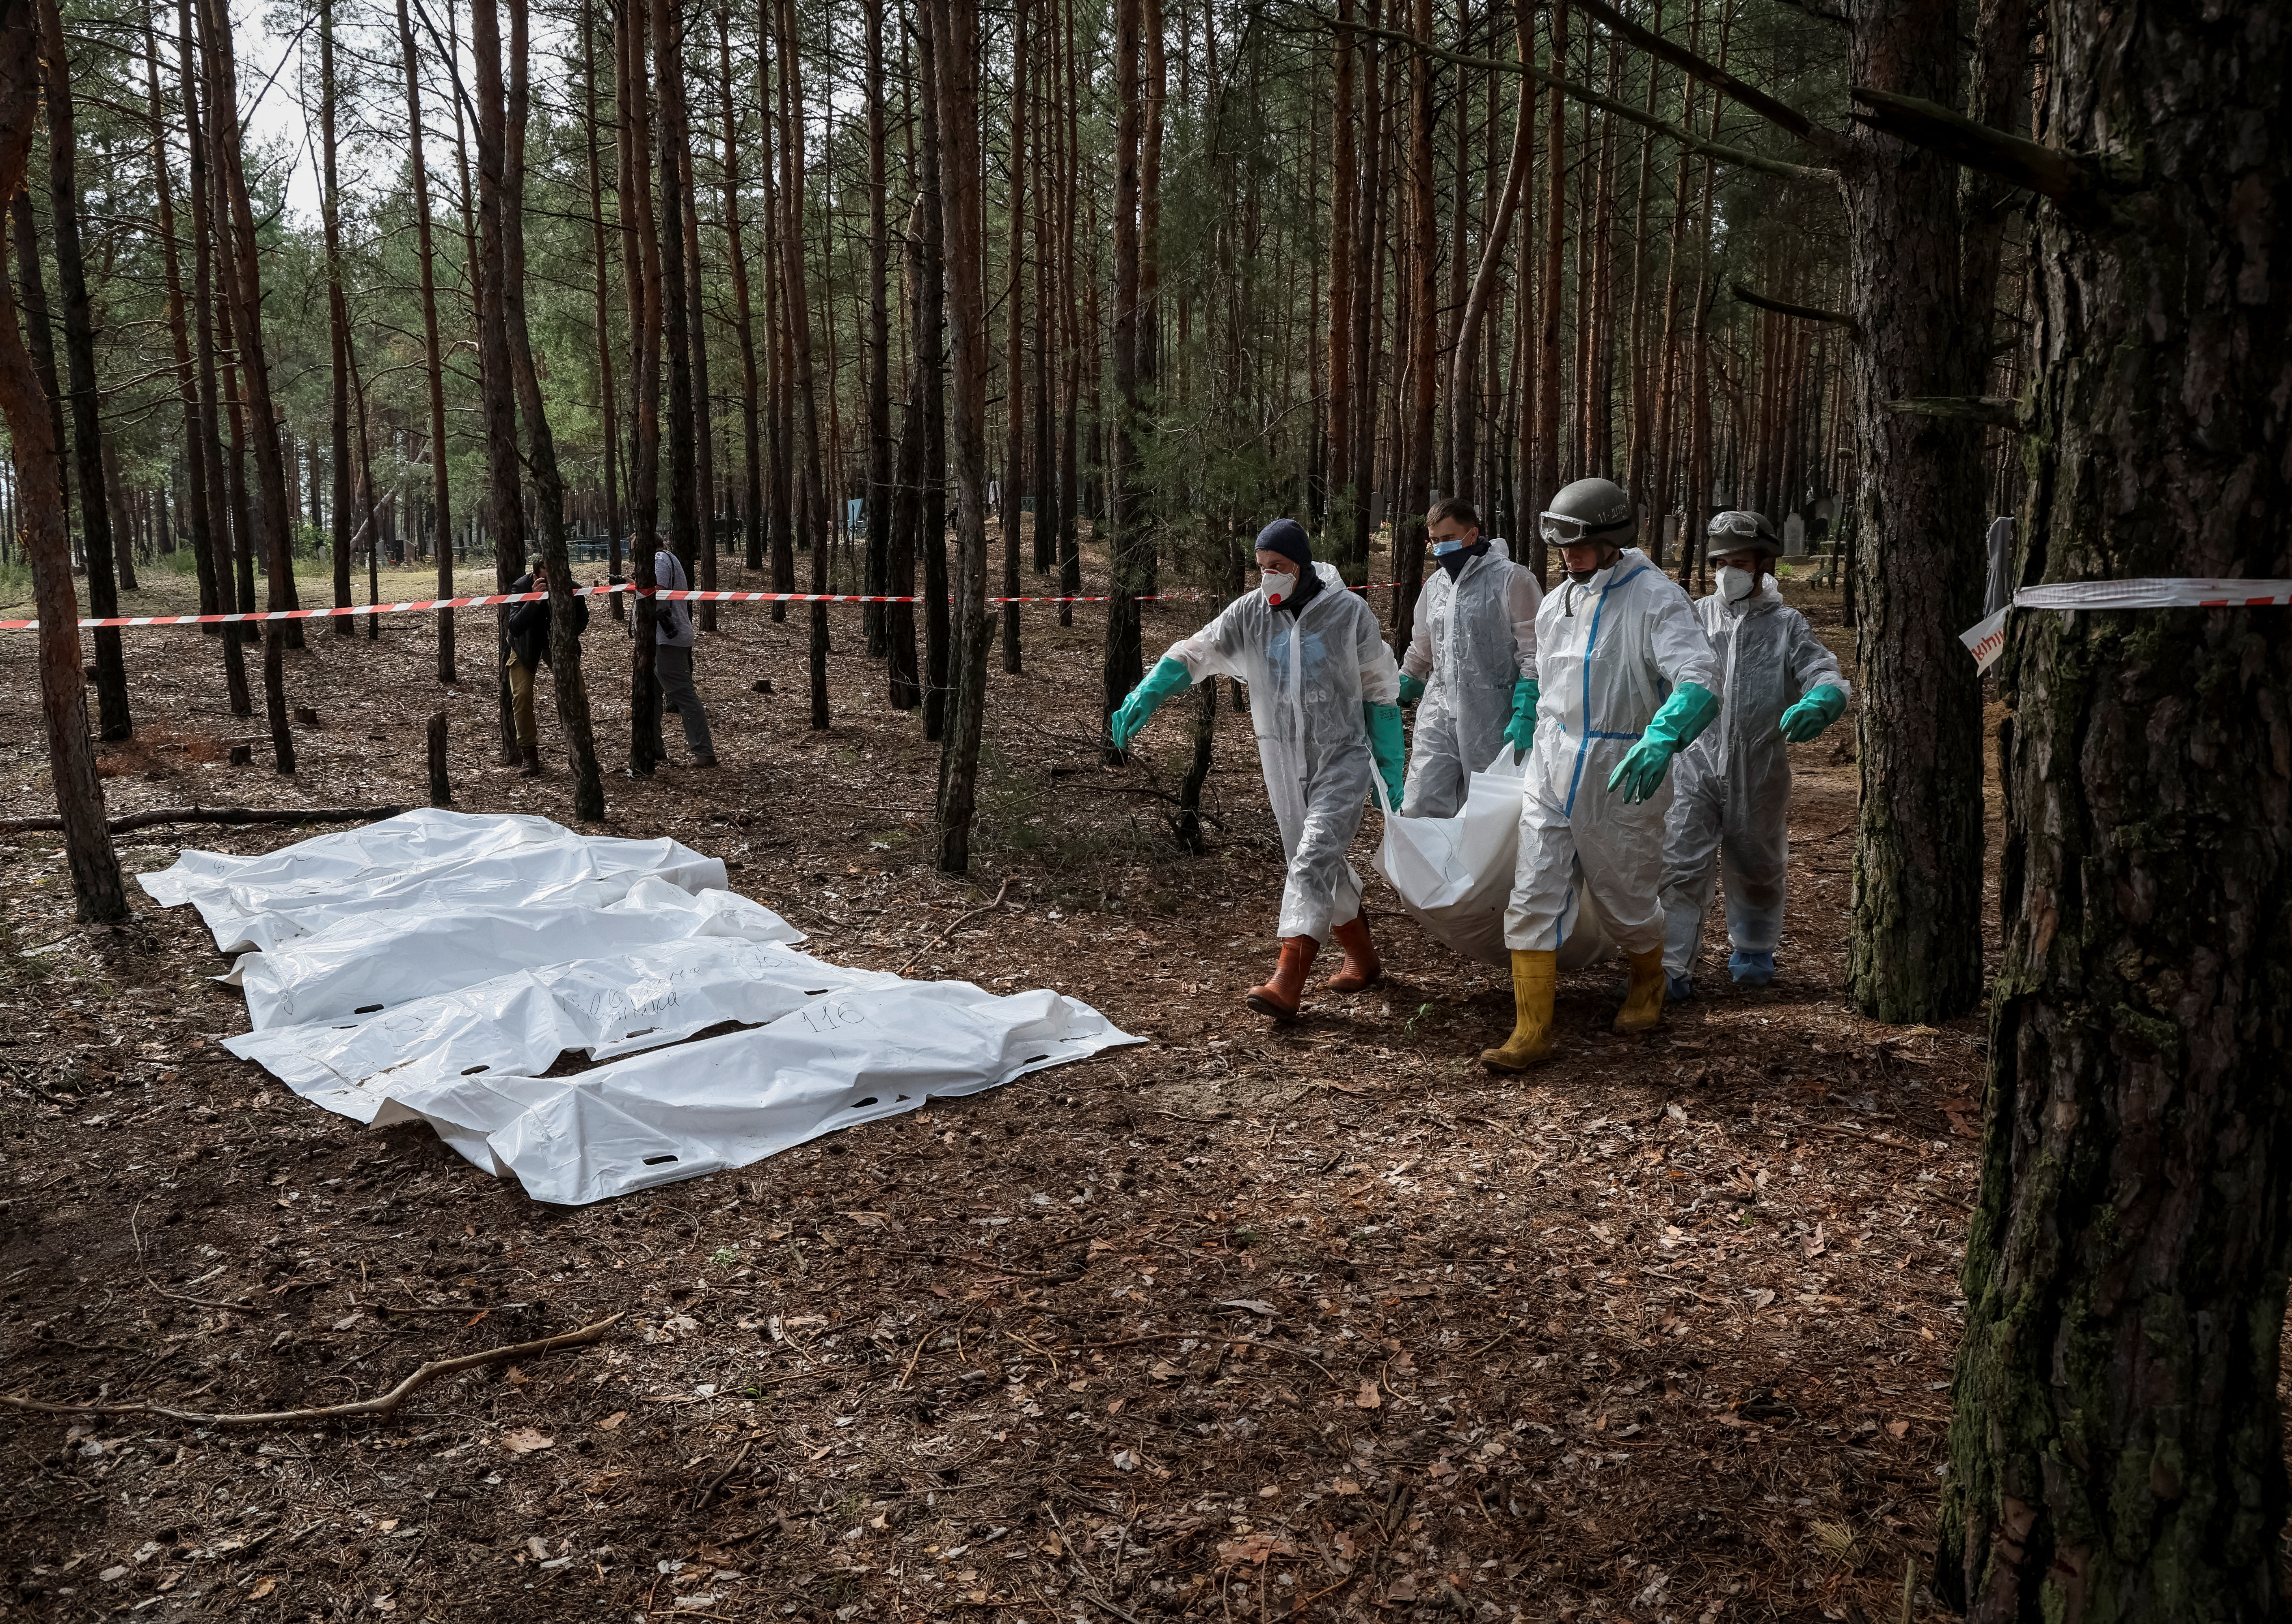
pixel 381 1404
pixel 1779 113
pixel 1781 307
pixel 1590 97
pixel 2073 180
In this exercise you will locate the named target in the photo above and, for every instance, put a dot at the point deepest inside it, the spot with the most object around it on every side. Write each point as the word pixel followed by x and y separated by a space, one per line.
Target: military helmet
pixel 1588 510
pixel 1737 530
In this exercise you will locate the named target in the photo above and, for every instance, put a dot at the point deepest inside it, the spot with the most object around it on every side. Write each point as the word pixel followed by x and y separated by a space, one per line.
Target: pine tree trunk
pixel 1014 348
pixel 608 403
pixel 1124 663
pixel 1547 481
pixel 1042 170
pixel 932 534
pixel 1070 320
pixel 243 292
pixel 2116 1445
pixel 1364 316
pixel 434 371
pixel 96 541
pixel 956 28
pixel 811 509
pixel 700 566
pixel 208 441
pixel 337 323
pixel 97 887
pixel 645 318
pixel 1416 449
pixel 566 679
pixel 1344 181
pixel 496 389
pixel 880 616
pixel 906 516
pixel 1917 948
pixel 199 466
pixel 1464 378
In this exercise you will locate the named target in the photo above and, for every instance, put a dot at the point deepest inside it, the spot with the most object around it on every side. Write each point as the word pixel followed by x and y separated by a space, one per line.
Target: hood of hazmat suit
pixel 1309 674
pixel 1733 784
pixel 1472 640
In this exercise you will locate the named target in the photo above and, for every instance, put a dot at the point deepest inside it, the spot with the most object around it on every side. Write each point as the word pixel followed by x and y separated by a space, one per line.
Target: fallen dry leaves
pixel 1621 1338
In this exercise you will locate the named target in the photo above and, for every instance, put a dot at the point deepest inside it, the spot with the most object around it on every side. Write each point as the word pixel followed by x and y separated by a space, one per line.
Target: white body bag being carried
pixel 1454 875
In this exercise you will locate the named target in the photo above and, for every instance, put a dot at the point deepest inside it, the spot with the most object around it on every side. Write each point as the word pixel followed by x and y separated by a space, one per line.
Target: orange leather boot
pixel 1362 967
pixel 1281 996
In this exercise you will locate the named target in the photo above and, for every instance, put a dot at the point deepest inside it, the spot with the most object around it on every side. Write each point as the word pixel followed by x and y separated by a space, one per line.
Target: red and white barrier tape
pixel 1987 641
pixel 587 591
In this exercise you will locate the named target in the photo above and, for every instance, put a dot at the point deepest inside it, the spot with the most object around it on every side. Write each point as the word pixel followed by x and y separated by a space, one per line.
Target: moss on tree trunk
pixel 2116 1451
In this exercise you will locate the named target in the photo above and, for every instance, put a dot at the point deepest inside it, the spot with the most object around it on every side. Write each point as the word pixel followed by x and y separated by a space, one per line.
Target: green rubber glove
pixel 1817 711
pixel 1385 744
pixel 1521 729
pixel 1170 676
pixel 1412 689
pixel 1686 714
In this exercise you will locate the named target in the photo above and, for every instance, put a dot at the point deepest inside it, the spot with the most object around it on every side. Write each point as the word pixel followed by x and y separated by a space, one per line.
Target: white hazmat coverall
pixel 1608 654
pixel 1474 638
pixel 1731 799
pixel 1309 674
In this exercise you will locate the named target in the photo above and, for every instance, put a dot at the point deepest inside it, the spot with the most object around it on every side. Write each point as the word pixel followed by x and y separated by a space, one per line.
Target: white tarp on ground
pixel 369 962
pixel 422 860
pixel 521 1023
pixel 1454 875
pixel 432 965
pixel 726 1101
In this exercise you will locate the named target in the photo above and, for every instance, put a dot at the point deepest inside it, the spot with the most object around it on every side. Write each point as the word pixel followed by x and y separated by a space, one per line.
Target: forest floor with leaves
pixel 1248 1322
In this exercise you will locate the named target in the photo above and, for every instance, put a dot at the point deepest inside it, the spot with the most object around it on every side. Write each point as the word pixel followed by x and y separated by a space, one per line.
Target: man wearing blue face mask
pixel 1731 810
pixel 1472 657
pixel 1322 697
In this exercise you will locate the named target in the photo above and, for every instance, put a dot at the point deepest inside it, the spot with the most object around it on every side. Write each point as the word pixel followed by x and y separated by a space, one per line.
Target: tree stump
pixel 441 787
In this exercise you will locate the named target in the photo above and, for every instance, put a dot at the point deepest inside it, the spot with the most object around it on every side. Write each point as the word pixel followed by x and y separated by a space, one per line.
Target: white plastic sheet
pixel 419 859
pixel 522 1021
pixel 727 1101
pixel 1454 875
pixel 369 962
pixel 433 966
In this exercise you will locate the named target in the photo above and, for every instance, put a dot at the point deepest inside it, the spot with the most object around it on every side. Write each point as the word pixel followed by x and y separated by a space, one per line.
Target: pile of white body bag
pixel 435 965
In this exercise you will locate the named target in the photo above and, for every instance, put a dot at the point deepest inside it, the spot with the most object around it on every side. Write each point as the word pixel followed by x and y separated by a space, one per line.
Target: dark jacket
pixel 529 625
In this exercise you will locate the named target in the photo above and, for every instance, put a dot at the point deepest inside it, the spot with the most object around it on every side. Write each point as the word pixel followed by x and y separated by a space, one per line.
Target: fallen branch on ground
pixel 213 815
pixel 382 1404
pixel 951 929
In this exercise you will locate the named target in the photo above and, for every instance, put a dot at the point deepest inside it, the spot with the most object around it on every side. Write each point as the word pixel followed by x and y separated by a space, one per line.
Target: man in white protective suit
pixel 1472 661
pixel 1731 799
pixel 1627 679
pixel 1323 692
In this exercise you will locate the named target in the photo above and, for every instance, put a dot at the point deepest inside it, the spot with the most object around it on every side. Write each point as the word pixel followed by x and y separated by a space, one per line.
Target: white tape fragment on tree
pixel 1987 639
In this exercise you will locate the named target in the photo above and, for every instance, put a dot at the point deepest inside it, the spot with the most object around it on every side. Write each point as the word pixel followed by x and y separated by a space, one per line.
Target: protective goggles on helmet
pixel 1735 522
pixel 1564 530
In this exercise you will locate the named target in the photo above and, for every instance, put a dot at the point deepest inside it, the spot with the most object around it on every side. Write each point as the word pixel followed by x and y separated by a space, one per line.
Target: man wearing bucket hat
pixel 1731 806
pixel 1626 679
pixel 1323 696
pixel 1472 658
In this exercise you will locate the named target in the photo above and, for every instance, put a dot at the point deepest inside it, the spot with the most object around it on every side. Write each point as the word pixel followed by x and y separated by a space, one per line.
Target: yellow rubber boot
pixel 1643 1010
pixel 1534 977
